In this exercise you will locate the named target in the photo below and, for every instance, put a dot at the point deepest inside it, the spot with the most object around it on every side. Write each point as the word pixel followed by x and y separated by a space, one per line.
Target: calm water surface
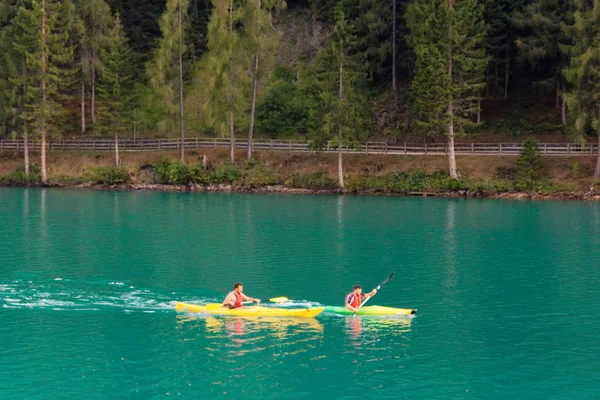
pixel 507 292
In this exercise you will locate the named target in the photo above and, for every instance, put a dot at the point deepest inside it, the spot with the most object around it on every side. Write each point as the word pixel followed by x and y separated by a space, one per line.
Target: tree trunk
pixel 44 66
pixel 558 96
pixel 394 81
pixel 506 72
pixel 82 107
pixel 563 110
pixel 597 172
pixel 181 127
pixel 340 166
pixel 253 108
pixel 487 82
pixel 232 138
pixel 479 110
pixel 93 94
pixel 25 136
pixel 26 148
pixel 451 155
pixel 117 161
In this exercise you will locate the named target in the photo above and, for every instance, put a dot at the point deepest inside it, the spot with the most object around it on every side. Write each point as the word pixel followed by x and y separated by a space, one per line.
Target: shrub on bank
pixel 19 177
pixel 106 176
pixel 317 181
pixel 417 180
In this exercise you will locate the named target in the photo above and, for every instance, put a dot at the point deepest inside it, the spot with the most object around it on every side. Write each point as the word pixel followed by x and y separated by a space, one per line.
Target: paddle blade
pixel 278 299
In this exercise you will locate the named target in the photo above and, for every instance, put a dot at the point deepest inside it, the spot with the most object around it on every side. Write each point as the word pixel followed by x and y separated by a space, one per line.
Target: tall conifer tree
pixel 166 70
pixel 115 84
pixel 44 30
pixel 226 63
pixel 583 71
pixel 262 38
pixel 448 39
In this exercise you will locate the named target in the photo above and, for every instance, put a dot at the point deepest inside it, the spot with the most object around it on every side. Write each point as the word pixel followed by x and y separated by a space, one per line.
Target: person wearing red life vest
pixel 356 297
pixel 235 298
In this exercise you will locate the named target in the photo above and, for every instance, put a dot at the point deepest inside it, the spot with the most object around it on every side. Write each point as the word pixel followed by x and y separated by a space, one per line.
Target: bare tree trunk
pixel 231 131
pixel 82 107
pixel 479 110
pixel 597 172
pixel 558 96
pixel 93 94
pixel 26 148
pixel 487 82
pixel 44 66
pixel 253 108
pixel 451 154
pixel 117 161
pixel 232 138
pixel 25 136
pixel 181 127
pixel 394 81
pixel 563 110
pixel 340 136
pixel 506 73
pixel 254 90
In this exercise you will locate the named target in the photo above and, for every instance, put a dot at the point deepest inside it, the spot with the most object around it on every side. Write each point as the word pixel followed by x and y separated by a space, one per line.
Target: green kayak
pixel 371 310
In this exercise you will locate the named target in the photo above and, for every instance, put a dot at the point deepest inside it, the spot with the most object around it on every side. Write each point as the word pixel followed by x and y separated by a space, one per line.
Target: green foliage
pixel 317 181
pixel 226 173
pixel 417 180
pixel 448 41
pixel 576 170
pixel 529 164
pixel 107 176
pixel 115 87
pixel 20 178
pixel 163 71
pixel 284 110
pixel 583 71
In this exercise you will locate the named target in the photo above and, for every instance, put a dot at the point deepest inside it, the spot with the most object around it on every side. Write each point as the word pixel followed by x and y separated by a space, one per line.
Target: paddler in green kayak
pixel 356 297
pixel 235 298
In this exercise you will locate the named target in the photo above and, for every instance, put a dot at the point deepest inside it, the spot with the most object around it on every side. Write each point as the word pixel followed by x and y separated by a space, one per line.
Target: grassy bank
pixel 483 176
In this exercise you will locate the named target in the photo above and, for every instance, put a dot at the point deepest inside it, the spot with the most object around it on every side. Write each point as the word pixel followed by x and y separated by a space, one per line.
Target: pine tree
pixel 261 36
pixel 226 62
pixel 44 31
pixel 340 75
pixel 166 70
pixel 95 19
pixel 539 41
pixel 583 71
pixel 448 39
pixel 115 84
pixel 13 83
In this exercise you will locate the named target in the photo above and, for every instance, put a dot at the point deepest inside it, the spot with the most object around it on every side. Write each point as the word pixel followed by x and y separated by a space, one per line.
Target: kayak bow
pixel 252 311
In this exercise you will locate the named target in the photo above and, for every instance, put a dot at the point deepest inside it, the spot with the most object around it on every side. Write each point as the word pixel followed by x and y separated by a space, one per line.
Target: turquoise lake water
pixel 508 295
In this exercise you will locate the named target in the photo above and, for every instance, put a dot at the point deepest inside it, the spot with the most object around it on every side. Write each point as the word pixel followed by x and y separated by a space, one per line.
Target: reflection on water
pixel 357 325
pixel 251 334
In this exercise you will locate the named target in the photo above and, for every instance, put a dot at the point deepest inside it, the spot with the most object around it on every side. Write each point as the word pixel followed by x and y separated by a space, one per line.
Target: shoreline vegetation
pixel 496 177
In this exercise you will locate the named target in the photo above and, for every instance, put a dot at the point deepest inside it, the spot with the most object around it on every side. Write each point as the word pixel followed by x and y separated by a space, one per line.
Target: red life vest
pixel 353 299
pixel 238 299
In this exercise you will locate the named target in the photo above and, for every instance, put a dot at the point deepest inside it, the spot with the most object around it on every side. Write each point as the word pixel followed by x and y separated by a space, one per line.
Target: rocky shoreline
pixel 281 189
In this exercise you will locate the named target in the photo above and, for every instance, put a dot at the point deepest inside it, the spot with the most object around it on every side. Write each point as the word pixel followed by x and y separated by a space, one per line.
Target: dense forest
pixel 337 71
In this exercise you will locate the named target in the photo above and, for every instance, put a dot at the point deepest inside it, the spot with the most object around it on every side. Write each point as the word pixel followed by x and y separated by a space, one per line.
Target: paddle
pixel 389 278
pixel 273 300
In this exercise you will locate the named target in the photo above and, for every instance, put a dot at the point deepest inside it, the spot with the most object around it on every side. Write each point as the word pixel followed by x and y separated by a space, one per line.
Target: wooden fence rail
pixel 126 145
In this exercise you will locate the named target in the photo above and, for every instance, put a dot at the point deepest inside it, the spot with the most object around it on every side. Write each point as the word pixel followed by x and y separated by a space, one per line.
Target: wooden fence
pixel 126 145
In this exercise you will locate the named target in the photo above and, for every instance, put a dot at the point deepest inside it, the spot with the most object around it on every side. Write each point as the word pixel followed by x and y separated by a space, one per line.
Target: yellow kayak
pixel 250 311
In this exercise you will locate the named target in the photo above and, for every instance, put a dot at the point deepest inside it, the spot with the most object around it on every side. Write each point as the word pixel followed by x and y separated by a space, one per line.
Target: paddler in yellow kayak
pixel 235 298
pixel 355 298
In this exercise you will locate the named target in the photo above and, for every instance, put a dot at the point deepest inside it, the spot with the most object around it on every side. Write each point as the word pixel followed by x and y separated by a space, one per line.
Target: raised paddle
pixel 273 300
pixel 389 278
